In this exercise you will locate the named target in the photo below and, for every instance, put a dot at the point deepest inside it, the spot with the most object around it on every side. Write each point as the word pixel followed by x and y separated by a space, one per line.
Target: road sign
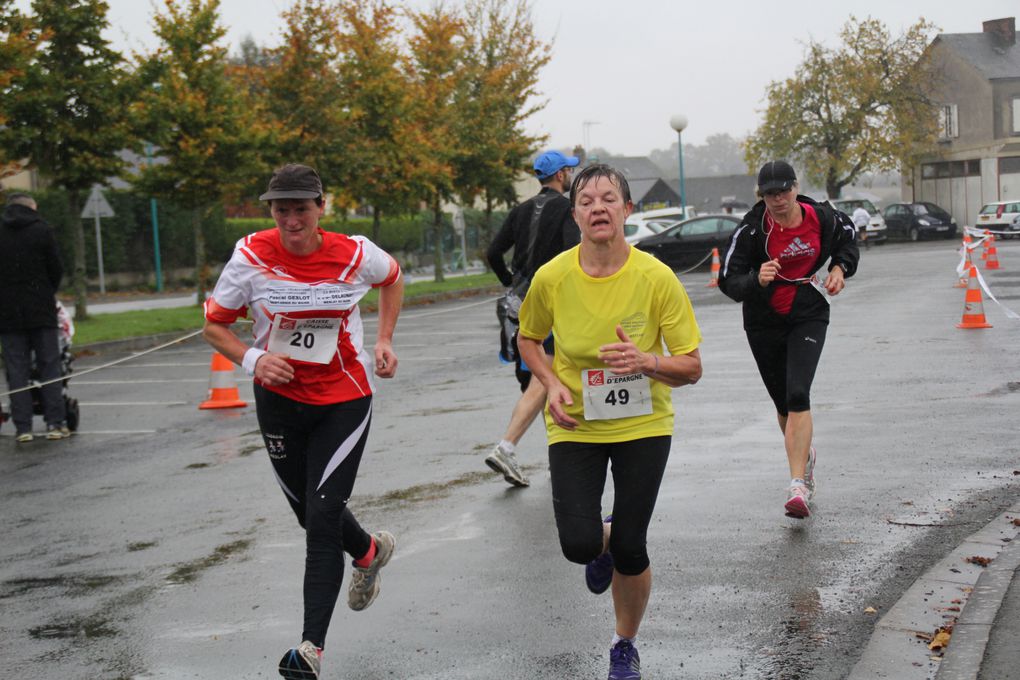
pixel 96 205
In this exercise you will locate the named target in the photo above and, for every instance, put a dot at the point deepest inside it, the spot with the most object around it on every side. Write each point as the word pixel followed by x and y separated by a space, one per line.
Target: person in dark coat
pixel 30 274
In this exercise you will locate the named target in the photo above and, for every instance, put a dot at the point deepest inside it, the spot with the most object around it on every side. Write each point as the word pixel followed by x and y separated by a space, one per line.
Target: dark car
pixel 688 242
pixel 919 220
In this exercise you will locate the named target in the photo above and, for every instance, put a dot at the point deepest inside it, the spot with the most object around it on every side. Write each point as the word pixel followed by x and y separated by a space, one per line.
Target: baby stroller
pixel 65 331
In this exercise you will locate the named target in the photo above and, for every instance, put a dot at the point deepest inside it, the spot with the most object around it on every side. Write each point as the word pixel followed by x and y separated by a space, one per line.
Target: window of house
pixel 949 126
pixel 1016 115
pixel 928 171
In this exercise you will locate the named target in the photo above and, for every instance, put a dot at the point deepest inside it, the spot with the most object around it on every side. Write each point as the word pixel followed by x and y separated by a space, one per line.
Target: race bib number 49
pixel 608 396
pixel 312 340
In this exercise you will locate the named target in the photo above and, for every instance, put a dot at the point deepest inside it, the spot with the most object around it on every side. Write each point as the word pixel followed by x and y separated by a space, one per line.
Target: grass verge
pixel 106 327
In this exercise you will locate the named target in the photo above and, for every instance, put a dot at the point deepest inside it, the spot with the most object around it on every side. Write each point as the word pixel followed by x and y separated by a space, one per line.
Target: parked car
pixel 643 224
pixel 919 220
pixel 1000 216
pixel 688 242
pixel 876 225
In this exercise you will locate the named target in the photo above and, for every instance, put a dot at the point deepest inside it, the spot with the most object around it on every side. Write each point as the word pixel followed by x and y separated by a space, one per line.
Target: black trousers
pixel 315 451
pixel 787 356
pixel 579 470
pixel 18 348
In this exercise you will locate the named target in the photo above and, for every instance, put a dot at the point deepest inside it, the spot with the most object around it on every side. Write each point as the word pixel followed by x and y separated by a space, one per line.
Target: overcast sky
pixel 626 66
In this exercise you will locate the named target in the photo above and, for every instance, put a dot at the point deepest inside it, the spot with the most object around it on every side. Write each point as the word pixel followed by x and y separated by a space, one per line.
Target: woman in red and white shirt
pixel 313 382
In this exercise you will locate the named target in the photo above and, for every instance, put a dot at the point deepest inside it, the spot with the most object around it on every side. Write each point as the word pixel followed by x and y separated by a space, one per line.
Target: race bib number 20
pixel 608 396
pixel 312 340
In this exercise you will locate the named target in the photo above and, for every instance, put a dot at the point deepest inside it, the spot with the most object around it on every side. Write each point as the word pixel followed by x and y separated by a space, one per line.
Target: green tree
pixel 304 102
pixel 65 109
pixel 503 58
pixel 856 108
pixel 376 93
pixel 191 111
pixel 436 68
pixel 16 49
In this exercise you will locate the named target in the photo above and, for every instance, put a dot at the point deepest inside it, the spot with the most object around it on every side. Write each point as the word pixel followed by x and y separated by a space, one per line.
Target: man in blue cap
pixel 538 230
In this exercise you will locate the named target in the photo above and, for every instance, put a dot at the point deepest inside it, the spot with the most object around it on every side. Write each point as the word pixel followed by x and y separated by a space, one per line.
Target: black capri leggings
pixel 578 471
pixel 787 356
pixel 315 451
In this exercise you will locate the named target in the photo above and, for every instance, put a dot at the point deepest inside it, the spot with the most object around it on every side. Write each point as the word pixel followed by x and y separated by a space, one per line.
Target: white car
pixel 876 226
pixel 644 224
pixel 1000 216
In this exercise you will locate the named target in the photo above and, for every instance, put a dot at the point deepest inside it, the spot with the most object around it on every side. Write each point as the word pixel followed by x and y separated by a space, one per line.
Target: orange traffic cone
pixel 993 255
pixel 973 307
pixel 714 281
pixel 985 244
pixel 962 283
pixel 222 387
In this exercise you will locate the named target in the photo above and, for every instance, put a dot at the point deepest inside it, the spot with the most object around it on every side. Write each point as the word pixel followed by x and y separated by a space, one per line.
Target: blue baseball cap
pixel 551 162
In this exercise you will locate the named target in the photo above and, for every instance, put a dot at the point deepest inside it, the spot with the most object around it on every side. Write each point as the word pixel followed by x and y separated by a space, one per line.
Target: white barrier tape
pixel 703 260
pixel 76 374
pixel 984 286
pixel 973 231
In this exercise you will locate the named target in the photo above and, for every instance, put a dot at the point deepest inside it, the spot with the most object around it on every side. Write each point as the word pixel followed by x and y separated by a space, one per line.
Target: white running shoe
pixel 797 504
pixel 506 464
pixel 304 662
pixel 809 473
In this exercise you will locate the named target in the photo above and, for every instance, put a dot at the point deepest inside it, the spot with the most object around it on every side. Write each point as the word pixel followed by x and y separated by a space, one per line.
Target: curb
pixel 896 651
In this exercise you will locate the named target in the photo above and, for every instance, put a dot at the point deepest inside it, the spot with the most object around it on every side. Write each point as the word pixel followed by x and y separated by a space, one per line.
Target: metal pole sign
pixel 460 227
pixel 96 207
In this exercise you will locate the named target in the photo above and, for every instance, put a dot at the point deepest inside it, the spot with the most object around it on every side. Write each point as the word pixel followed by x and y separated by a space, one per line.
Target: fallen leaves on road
pixel 940 640
pixel 978 560
pixel 1016 521
pixel 870 610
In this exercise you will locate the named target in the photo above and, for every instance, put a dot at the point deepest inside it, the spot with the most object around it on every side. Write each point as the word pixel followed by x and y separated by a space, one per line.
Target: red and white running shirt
pixel 263 279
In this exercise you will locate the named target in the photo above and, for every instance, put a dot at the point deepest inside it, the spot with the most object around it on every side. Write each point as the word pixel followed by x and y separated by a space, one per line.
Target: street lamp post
pixel 155 226
pixel 678 123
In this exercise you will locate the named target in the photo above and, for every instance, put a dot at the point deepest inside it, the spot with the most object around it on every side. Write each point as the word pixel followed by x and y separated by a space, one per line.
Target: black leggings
pixel 578 471
pixel 315 451
pixel 787 357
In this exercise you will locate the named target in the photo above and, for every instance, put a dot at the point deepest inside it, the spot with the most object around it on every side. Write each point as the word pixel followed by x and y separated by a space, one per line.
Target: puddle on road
pixel 189 571
pixel 84 627
pixel 75 585
pixel 424 492
pixel 1008 388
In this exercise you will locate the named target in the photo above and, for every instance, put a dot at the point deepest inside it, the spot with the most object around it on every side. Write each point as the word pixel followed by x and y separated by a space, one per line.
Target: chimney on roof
pixel 1003 30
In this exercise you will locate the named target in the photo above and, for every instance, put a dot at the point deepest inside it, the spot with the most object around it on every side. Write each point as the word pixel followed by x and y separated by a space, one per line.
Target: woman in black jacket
pixel 772 266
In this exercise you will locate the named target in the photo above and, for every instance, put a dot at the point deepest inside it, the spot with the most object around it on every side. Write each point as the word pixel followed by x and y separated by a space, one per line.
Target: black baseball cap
pixel 776 176
pixel 293 181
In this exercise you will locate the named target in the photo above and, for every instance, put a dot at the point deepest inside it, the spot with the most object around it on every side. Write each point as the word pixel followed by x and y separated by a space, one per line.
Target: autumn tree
pixel 503 58
pixel 304 102
pixel 436 68
pixel 852 109
pixel 379 169
pixel 64 105
pixel 16 49
pixel 189 109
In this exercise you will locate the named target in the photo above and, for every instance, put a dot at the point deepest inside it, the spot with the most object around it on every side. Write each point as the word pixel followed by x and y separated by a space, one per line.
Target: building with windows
pixel 978 156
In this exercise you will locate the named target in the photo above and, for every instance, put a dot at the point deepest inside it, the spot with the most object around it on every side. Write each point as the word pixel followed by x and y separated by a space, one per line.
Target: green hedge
pixel 128 236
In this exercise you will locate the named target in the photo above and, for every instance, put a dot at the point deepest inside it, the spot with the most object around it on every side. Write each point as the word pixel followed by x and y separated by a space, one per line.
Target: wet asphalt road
pixel 156 544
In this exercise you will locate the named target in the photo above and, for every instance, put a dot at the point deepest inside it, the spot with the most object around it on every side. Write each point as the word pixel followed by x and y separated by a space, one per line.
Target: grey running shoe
pixel 302 663
pixel 506 464
pixel 365 581
pixel 809 473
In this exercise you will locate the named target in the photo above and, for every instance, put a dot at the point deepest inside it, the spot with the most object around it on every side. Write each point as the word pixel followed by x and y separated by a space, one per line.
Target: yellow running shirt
pixel 645 297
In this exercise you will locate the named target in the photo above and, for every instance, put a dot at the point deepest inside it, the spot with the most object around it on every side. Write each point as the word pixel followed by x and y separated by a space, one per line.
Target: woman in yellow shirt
pixel 612 310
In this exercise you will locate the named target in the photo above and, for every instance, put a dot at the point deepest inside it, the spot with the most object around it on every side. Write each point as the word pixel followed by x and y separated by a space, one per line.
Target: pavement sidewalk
pixel 982 603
